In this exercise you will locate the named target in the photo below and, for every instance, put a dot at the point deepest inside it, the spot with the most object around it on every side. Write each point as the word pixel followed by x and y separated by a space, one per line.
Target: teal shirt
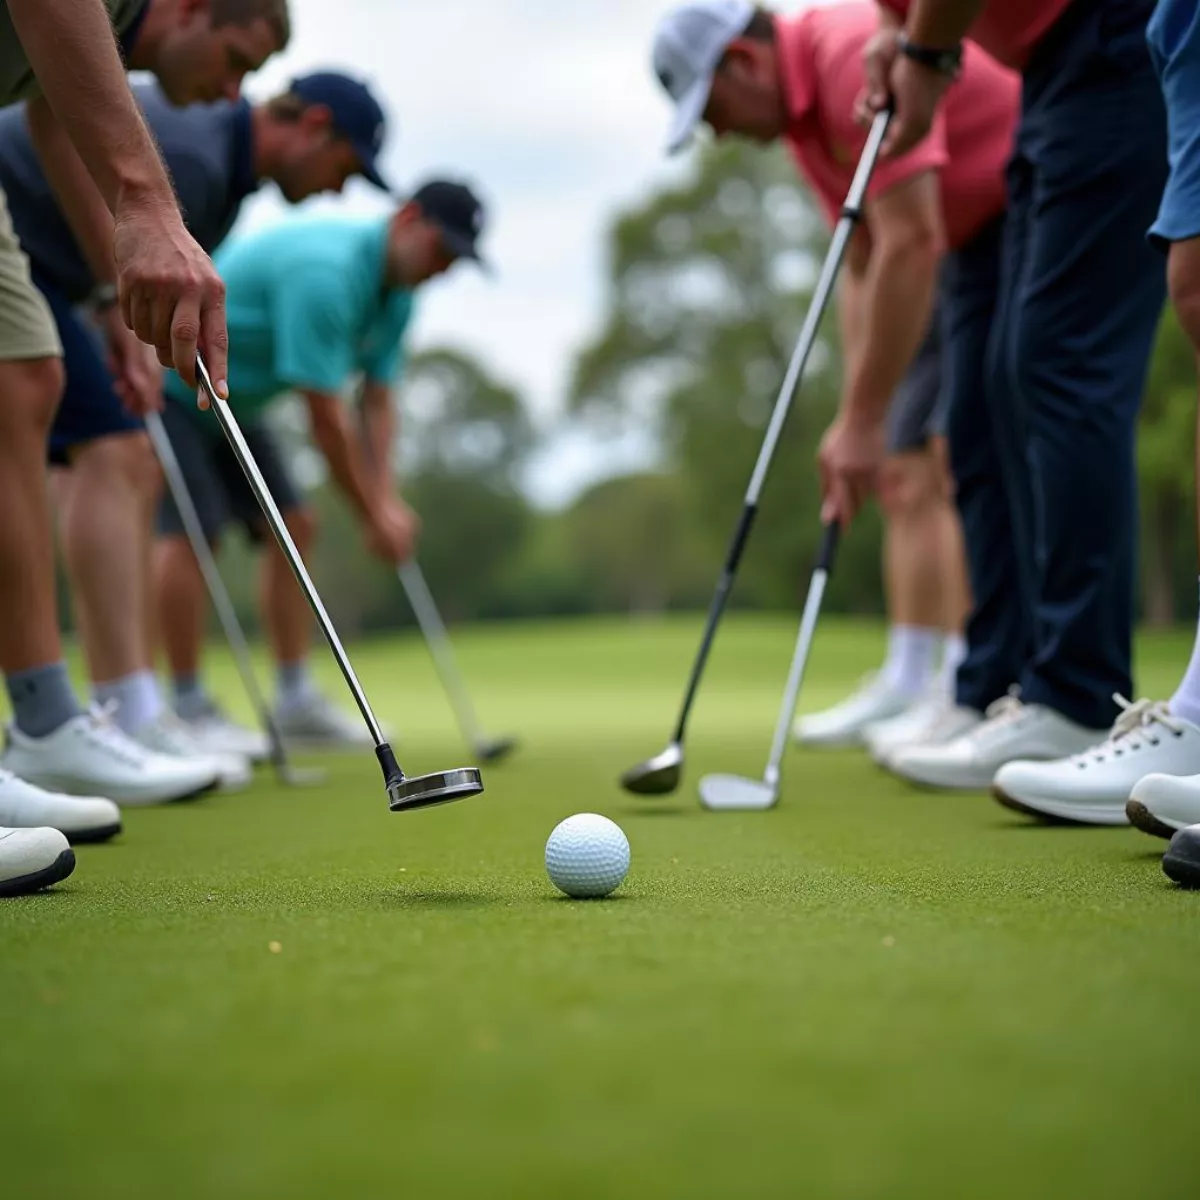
pixel 307 310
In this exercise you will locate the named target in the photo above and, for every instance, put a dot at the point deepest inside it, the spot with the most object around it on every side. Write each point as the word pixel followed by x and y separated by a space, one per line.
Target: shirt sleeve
pixel 841 82
pixel 385 356
pixel 314 336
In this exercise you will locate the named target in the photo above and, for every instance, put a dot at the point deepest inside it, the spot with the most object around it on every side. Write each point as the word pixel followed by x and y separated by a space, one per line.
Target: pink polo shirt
pixel 1006 29
pixel 821 53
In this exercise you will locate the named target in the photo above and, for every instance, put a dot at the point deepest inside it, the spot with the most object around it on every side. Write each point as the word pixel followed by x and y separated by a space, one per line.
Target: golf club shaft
pixel 438 641
pixel 804 641
pixel 274 518
pixel 851 215
pixel 219 594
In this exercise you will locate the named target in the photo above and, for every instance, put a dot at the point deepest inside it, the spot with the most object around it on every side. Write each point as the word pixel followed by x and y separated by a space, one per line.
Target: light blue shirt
pixel 307 310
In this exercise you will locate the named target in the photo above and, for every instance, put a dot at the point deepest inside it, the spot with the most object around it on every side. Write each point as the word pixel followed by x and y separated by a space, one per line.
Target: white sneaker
pixel 1094 787
pixel 1011 730
pixel 933 722
pixel 168 735
pixel 80 818
pixel 31 859
pixel 214 733
pixel 91 754
pixel 1163 804
pixel 318 724
pixel 843 725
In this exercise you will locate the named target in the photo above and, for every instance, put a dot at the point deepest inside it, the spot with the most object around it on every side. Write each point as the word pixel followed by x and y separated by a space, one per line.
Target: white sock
pixel 137 697
pixel 954 650
pixel 1186 701
pixel 911 651
pixel 293 684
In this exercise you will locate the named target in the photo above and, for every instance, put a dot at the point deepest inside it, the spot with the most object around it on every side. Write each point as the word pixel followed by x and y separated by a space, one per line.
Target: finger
pixel 141 319
pixel 214 338
pixel 184 336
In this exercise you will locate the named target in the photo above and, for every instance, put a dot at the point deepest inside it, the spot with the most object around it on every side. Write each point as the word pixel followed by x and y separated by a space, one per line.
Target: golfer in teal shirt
pixel 317 304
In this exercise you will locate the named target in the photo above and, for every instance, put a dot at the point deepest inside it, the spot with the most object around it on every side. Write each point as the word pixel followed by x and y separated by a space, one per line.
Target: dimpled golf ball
pixel 587 855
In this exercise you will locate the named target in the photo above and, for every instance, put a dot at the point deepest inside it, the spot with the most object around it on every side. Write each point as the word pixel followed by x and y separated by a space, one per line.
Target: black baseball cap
pixel 356 115
pixel 457 211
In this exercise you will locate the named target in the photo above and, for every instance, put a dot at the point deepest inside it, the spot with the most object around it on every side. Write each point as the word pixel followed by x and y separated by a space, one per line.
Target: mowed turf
pixel 866 992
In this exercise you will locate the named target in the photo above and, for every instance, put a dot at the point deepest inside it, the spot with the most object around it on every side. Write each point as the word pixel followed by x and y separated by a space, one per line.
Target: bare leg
pixel 105 513
pixel 29 635
pixel 284 608
pixel 181 604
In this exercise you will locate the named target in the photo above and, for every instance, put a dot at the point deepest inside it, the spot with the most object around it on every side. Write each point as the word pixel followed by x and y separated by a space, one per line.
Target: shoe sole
pixel 185 798
pixel 1064 816
pixel 1183 871
pixel 89 837
pixel 56 872
pixel 1140 817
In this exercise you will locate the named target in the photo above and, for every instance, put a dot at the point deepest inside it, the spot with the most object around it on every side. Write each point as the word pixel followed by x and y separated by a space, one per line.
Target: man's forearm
pixel 72 49
pixel 896 313
pixel 377 430
pixel 331 431
pixel 942 23
pixel 77 194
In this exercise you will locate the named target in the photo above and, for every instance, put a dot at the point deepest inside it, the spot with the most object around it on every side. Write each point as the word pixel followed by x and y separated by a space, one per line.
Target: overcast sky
pixel 550 108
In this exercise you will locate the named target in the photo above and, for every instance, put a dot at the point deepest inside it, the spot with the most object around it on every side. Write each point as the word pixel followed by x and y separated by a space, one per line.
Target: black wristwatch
pixel 944 62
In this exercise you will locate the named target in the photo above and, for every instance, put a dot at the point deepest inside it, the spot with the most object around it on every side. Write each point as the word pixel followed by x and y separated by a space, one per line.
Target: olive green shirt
pixel 17 80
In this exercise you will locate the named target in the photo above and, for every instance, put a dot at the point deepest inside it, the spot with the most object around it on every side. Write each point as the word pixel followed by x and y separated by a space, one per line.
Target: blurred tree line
pixel 708 283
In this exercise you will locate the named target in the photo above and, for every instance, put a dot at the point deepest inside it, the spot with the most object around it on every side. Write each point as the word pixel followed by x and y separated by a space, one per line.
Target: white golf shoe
pixel 91 754
pixel 215 733
pixel 1010 731
pixel 168 735
pixel 1164 804
pixel 79 818
pixel 1093 788
pixel 933 721
pixel 32 859
pixel 318 724
pixel 843 724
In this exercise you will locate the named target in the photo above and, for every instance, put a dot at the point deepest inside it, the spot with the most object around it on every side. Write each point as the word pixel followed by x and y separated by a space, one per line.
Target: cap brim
pixel 369 171
pixel 688 113
pixel 462 247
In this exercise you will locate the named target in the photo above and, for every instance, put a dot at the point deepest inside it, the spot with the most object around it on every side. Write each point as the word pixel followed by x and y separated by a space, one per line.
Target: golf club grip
pixel 827 554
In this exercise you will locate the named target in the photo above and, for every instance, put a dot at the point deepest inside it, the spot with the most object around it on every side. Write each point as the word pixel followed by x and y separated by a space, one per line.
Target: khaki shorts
pixel 27 329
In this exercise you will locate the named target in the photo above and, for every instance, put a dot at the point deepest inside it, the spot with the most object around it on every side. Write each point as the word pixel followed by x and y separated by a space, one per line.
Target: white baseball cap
pixel 688 45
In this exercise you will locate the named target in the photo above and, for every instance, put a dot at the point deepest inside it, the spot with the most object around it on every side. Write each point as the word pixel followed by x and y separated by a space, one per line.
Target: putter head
pixel 426 791
pixel 657 776
pixel 494 749
pixel 733 793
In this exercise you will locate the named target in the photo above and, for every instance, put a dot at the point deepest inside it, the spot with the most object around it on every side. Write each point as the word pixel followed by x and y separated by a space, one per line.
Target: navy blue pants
pixel 90 408
pixel 1050 506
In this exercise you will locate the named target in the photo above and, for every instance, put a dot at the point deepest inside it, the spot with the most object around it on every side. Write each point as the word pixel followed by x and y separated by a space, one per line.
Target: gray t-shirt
pixel 17 81
pixel 209 152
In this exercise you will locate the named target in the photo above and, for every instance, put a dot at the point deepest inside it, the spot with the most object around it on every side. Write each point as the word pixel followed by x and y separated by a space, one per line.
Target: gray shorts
pixel 214 479
pixel 918 410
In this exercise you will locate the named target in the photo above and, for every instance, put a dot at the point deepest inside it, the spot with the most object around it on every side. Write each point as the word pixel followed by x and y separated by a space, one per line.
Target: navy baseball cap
pixel 457 211
pixel 357 115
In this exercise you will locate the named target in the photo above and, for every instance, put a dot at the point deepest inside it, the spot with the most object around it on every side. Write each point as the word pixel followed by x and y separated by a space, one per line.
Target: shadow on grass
pixel 447 900
pixel 645 810
pixel 559 898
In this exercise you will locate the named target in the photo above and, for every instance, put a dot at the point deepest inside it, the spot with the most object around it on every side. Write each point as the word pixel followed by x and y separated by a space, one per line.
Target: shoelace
pixel 1133 729
pixel 174 734
pixel 1000 716
pixel 100 732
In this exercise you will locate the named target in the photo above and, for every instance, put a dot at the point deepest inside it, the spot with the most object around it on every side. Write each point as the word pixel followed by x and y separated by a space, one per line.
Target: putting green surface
pixel 866 992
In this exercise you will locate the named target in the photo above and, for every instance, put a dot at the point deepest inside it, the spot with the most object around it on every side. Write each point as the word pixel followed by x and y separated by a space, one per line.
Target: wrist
pixel 103 299
pixel 941 60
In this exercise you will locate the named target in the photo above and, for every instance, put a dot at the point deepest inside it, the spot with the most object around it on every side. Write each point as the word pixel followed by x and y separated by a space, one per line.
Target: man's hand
pixel 171 294
pixel 915 92
pixel 391 530
pixel 137 376
pixel 879 56
pixel 849 460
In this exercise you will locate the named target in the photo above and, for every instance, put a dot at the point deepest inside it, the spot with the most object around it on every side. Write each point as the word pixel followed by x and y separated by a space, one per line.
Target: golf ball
pixel 587 855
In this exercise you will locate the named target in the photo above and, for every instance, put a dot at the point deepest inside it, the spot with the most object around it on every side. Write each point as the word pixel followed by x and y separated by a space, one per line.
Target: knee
pixel 126 458
pixel 909 484
pixel 302 525
pixel 30 390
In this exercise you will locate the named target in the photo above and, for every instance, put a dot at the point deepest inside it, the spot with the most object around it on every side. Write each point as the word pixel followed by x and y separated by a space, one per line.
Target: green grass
pixel 867 992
